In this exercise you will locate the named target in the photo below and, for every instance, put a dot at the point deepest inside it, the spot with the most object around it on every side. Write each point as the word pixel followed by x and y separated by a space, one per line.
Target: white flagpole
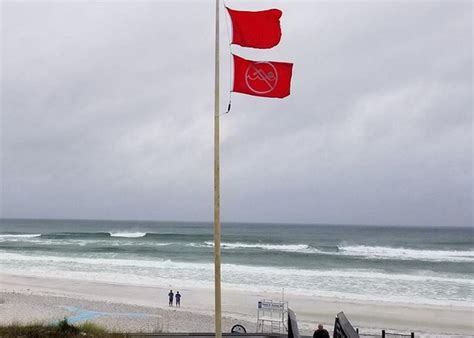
pixel 217 224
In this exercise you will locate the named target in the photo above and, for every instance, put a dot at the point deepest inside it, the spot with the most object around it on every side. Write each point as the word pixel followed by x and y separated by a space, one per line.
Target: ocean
pixel 422 265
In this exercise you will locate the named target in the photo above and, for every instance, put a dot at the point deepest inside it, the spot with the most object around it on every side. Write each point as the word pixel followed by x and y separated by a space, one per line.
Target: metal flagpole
pixel 217 224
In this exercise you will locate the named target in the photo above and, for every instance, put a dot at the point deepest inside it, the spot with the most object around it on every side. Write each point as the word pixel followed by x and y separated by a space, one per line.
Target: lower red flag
pixel 262 78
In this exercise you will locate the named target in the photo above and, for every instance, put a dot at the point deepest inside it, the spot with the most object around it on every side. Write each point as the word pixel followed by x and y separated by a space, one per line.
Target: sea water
pixel 423 265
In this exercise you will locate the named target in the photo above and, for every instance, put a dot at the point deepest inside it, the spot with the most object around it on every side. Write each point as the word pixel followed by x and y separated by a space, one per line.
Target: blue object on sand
pixel 85 315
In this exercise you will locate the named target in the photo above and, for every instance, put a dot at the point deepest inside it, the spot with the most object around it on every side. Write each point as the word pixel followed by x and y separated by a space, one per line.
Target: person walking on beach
pixel 321 332
pixel 178 299
pixel 170 297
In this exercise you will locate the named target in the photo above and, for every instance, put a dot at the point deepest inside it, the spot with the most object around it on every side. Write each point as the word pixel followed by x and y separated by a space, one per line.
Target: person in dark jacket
pixel 178 299
pixel 170 297
pixel 321 332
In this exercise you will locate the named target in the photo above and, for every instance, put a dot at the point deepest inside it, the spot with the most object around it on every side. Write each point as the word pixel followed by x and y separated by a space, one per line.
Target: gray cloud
pixel 107 112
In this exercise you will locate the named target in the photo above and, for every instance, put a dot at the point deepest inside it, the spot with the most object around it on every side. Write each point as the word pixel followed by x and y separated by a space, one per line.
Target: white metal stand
pixel 272 313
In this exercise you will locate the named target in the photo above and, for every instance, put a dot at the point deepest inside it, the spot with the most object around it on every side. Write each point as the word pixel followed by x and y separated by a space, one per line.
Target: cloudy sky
pixel 107 112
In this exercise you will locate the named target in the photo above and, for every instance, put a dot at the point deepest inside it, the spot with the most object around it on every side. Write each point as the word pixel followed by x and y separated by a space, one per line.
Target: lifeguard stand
pixel 272 313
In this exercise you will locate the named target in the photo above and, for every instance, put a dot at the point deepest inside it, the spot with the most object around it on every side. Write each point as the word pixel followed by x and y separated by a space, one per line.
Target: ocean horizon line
pixel 201 222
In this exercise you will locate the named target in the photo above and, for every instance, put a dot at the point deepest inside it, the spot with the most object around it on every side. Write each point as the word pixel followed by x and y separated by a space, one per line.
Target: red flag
pixel 262 78
pixel 256 29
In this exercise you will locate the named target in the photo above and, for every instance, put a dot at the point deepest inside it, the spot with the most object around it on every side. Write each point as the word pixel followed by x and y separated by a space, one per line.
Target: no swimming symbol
pixel 261 77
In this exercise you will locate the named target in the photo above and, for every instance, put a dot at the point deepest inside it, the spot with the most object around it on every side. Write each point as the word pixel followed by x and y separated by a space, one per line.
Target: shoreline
pixel 25 299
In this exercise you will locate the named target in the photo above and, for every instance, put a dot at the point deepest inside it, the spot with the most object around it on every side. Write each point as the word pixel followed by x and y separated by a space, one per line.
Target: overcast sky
pixel 107 112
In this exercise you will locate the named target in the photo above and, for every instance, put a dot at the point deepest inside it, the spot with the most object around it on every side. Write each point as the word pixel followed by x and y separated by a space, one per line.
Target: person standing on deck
pixel 170 297
pixel 178 299
pixel 321 332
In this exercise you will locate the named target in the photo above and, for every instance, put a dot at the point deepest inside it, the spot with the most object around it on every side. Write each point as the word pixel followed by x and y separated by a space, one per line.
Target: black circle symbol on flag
pixel 261 77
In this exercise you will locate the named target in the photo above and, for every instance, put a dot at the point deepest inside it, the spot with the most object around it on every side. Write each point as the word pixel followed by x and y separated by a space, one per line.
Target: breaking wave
pixel 19 235
pixel 357 251
pixel 302 248
pixel 126 234
pixel 380 252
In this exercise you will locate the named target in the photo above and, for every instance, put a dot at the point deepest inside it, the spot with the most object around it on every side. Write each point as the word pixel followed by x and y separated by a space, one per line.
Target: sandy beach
pixel 138 308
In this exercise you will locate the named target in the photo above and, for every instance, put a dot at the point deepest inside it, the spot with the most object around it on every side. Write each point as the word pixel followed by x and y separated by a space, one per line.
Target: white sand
pixel 28 299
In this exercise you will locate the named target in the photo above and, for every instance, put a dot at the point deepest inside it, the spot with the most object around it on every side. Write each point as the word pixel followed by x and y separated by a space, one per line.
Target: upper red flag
pixel 256 29
pixel 262 78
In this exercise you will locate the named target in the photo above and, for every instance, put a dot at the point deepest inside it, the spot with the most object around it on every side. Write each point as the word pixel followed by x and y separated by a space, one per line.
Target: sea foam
pixel 380 252
pixel 421 288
